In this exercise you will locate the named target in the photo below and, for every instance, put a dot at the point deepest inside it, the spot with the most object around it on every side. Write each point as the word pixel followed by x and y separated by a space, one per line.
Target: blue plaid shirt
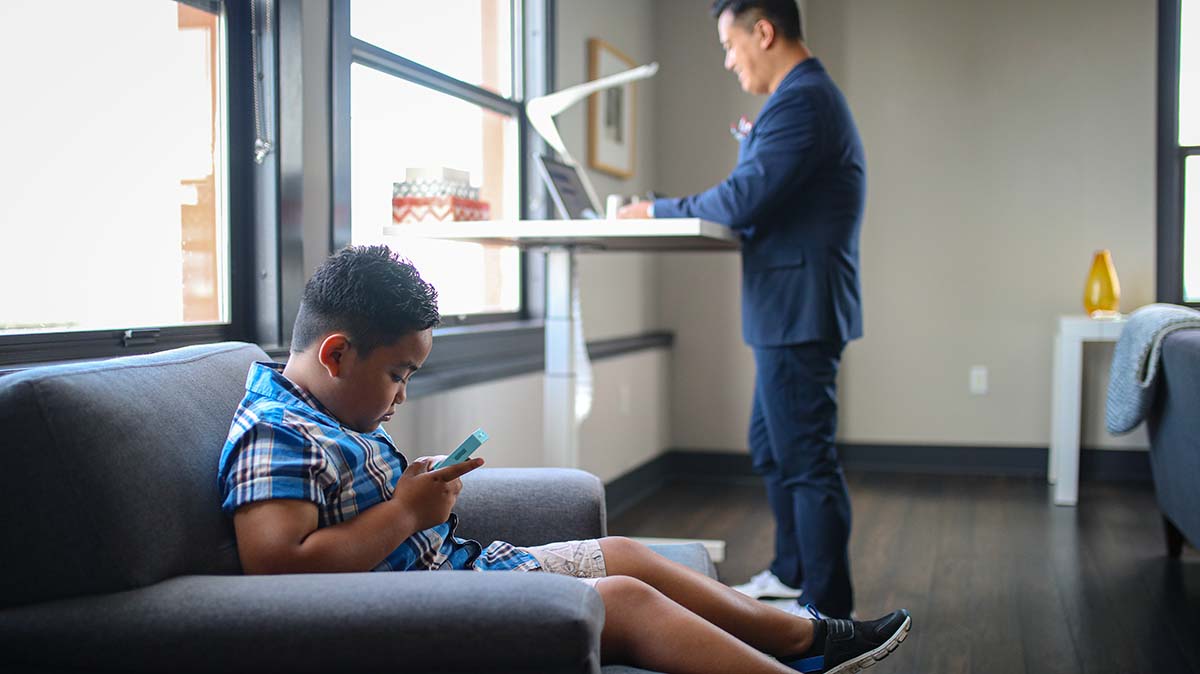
pixel 284 444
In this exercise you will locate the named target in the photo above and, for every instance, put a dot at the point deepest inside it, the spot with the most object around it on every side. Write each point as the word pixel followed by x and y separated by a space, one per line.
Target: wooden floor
pixel 998 579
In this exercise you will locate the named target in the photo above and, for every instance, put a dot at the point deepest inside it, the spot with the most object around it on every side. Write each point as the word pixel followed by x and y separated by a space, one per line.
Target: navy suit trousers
pixel 792 427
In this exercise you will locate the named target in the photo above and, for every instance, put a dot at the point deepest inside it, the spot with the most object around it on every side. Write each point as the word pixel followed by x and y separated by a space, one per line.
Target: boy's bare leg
pixel 756 623
pixel 644 627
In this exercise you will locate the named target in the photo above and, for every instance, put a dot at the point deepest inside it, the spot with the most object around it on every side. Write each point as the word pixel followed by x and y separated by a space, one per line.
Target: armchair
pixel 117 556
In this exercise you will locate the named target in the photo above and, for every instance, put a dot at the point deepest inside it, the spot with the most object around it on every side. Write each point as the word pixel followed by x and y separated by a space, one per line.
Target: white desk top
pixel 655 234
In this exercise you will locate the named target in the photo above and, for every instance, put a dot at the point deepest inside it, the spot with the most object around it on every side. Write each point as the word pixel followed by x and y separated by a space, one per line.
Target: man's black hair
pixel 370 293
pixel 783 14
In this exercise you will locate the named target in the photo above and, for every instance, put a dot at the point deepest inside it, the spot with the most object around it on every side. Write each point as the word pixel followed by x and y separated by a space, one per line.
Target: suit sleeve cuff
pixel 666 208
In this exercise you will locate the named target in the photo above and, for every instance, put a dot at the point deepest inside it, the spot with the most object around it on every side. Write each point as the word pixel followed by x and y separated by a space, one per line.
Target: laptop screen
pixel 567 189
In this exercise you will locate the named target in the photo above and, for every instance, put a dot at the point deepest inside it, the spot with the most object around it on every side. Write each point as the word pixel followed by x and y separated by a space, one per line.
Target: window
pixel 1179 151
pixel 116 215
pixel 111 168
pixel 416 106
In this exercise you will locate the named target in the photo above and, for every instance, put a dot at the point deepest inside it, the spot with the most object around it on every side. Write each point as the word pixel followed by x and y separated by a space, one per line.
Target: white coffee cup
pixel 613 204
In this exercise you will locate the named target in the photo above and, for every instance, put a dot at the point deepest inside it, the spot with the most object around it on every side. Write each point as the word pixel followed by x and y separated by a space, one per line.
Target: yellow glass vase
pixel 1102 294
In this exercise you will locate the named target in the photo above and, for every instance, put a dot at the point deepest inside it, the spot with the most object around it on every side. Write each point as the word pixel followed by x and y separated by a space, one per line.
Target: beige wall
pixel 628 425
pixel 630 420
pixel 1005 142
pixel 699 292
pixel 510 410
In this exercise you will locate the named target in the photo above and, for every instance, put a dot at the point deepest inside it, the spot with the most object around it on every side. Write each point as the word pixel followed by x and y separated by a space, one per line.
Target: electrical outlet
pixel 978 380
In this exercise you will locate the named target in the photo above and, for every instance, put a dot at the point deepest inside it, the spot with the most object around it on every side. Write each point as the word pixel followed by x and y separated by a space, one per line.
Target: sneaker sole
pixel 869 658
pixel 770 595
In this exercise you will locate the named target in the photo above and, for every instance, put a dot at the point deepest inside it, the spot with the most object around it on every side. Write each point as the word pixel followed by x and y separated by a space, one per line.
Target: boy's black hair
pixel 370 293
pixel 783 14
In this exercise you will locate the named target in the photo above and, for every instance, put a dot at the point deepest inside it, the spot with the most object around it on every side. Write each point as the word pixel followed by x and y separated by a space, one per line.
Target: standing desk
pixel 562 239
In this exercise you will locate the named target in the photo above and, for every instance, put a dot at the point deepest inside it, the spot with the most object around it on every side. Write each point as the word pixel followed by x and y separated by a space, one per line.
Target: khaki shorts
pixel 581 559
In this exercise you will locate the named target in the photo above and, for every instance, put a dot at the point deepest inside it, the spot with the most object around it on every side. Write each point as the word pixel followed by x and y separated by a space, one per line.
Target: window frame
pixel 248 186
pixel 267 238
pixel 1171 159
pixel 532 65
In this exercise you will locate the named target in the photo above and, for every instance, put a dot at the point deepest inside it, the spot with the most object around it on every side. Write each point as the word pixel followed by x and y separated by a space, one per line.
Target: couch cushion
pixel 112 469
pixel 693 555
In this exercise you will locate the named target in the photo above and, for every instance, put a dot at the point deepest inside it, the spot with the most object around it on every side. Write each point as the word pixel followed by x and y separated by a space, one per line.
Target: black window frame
pixel 347 50
pixel 253 265
pixel 1171 159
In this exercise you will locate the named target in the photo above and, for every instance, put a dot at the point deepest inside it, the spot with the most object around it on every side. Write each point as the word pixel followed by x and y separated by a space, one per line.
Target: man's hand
pixel 429 495
pixel 638 211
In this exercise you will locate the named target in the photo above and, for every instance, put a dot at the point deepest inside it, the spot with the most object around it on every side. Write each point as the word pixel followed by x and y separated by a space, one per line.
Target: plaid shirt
pixel 284 444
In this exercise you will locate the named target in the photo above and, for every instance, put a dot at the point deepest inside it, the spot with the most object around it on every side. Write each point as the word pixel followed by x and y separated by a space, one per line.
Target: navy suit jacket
pixel 796 200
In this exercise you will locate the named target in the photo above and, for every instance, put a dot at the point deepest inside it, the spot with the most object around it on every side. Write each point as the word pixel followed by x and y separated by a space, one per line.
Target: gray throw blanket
pixel 1135 362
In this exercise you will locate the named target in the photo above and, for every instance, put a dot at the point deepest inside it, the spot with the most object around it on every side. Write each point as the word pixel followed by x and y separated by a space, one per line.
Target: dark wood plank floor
pixel 998 578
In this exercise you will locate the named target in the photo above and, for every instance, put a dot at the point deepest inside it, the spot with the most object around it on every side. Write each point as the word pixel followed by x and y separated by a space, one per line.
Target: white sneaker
pixel 767 584
pixel 792 606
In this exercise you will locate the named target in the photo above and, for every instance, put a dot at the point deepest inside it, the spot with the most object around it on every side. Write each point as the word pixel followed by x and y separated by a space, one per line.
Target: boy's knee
pixel 623 548
pixel 629 605
pixel 615 543
pixel 626 592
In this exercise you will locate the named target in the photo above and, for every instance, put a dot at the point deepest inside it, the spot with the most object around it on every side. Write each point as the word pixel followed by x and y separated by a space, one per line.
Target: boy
pixel 314 484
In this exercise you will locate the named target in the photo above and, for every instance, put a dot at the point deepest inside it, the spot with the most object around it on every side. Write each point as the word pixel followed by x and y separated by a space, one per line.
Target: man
pixel 796 199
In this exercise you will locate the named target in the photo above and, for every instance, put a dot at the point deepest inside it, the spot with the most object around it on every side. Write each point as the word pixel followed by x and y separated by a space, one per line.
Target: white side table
pixel 1073 332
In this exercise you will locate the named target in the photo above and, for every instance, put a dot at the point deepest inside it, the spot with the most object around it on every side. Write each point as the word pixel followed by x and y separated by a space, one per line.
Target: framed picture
pixel 612 120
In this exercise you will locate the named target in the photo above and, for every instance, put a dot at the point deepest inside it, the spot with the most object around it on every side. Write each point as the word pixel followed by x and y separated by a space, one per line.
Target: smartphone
pixel 465 450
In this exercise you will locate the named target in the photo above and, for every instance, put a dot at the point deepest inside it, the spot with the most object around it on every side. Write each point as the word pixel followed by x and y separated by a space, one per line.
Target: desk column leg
pixel 560 434
pixel 1064 440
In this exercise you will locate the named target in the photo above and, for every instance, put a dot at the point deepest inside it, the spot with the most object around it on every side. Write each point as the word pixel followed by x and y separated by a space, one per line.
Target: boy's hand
pixel 431 461
pixel 429 495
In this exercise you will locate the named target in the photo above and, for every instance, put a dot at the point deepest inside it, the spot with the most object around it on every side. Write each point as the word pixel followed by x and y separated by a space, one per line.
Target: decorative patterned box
pixel 437 194
pixel 434 188
pixel 438 209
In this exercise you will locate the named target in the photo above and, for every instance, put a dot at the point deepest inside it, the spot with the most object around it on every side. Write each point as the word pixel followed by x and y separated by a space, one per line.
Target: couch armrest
pixel 1174 428
pixel 530 506
pixel 448 621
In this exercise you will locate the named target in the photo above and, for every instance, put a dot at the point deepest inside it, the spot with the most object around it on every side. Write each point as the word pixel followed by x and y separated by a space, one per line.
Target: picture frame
pixel 612 113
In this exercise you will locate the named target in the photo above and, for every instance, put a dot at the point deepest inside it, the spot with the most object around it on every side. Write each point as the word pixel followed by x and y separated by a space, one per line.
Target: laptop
pixel 567 188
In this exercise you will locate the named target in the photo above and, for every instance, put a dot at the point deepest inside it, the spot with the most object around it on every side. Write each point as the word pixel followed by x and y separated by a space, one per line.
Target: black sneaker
pixel 849 646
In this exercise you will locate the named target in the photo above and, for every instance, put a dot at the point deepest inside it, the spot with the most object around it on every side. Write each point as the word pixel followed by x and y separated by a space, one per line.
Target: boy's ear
pixel 332 353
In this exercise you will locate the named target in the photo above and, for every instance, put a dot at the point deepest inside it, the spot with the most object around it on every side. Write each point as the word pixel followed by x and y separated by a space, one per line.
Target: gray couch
pixel 117 556
pixel 1174 426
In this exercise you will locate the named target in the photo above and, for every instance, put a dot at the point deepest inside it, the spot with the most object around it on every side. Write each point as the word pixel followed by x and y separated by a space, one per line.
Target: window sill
pixel 23 352
pixel 465 355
